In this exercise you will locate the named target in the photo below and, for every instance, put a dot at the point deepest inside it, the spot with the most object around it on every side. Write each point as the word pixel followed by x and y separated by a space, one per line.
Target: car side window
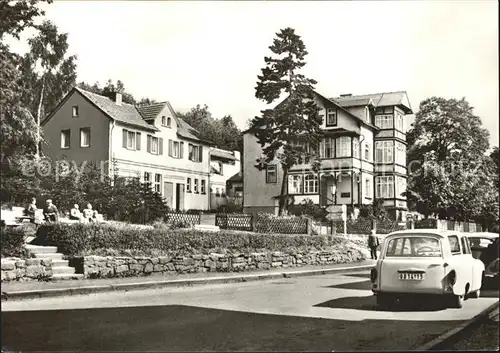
pixel 454 244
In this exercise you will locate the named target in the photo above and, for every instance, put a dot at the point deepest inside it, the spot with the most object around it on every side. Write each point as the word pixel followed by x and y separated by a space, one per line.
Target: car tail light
pixel 373 275
pixel 452 277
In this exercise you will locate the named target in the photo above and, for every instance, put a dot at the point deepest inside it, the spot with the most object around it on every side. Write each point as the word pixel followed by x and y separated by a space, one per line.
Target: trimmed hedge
pixel 13 243
pixel 80 239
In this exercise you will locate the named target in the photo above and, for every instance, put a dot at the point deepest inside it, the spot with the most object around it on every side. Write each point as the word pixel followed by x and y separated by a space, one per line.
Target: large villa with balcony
pixel 363 158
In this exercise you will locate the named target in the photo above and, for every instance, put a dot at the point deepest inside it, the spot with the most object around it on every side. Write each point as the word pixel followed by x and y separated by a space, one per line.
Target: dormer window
pixel 331 117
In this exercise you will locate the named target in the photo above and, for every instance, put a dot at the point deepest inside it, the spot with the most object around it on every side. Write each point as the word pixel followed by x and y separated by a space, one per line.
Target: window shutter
pixel 200 149
pixel 124 134
pixel 160 146
pixel 181 150
pixel 149 144
pixel 170 147
pixel 138 141
pixel 90 136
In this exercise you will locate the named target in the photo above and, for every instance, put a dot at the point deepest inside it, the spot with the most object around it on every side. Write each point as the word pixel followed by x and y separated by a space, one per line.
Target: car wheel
pixel 475 294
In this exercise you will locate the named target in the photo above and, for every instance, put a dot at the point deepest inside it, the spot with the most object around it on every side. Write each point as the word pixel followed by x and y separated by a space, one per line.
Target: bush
pixel 81 239
pixel 13 243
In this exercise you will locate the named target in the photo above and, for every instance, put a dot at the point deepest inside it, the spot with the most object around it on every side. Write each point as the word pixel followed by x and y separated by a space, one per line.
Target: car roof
pixel 425 231
pixel 486 235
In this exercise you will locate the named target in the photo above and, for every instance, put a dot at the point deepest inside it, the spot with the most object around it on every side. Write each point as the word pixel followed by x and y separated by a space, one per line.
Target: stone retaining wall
pixel 23 270
pixel 122 266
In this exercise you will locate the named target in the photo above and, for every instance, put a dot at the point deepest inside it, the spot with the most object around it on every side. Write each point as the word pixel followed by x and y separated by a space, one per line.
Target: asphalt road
pixel 317 313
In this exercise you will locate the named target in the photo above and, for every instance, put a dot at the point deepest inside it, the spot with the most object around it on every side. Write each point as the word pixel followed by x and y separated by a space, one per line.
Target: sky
pixel 204 52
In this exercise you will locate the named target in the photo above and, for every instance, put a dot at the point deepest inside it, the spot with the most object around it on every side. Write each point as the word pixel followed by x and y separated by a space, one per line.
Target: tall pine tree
pixel 290 132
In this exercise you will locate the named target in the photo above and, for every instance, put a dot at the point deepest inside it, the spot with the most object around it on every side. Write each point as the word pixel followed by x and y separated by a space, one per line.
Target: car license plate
pixel 409 276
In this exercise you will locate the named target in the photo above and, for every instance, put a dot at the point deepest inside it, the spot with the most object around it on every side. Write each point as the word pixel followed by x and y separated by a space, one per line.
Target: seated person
pixel 51 212
pixel 98 217
pixel 30 211
pixel 75 213
pixel 88 213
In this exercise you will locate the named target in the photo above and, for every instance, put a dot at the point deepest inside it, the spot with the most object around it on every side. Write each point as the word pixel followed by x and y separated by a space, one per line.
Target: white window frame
pixel 311 184
pixel 154 145
pixel 163 120
pixel 203 186
pixel 84 136
pixel 327 145
pixel 401 185
pixel 195 186
pixel 399 122
pixel 65 139
pixel 368 188
pixel 400 153
pixel 295 184
pixel 188 185
pixel 343 146
pixel 176 146
pixel 331 117
pixel 385 121
pixel 194 153
pixel 131 137
pixel 271 174
pixel 157 183
pixel 75 111
pixel 169 122
pixel 384 187
pixel 384 152
pixel 147 177
pixel 367 151
pixel 355 147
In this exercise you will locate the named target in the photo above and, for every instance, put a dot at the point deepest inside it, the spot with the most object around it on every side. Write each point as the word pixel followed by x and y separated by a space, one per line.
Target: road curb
pixel 441 340
pixel 59 292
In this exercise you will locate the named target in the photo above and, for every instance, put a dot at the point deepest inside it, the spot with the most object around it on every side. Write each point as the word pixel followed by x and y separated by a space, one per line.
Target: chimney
pixel 346 95
pixel 117 98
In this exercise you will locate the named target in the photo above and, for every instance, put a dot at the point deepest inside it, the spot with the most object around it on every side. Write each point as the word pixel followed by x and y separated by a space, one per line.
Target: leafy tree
pixel 447 144
pixel 18 128
pixel 58 71
pixel 222 132
pixel 291 131
pixel 110 87
pixel 19 15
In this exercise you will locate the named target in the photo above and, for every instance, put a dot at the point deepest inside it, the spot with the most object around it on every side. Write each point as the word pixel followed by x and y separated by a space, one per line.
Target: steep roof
pixel 237 177
pixel 149 112
pixel 399 98
pixel 125 113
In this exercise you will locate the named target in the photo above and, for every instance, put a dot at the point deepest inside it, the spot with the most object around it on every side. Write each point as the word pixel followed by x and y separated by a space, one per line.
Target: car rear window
pixel 414 246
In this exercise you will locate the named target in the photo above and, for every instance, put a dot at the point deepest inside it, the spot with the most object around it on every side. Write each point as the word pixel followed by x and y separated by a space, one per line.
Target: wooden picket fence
pixel 186 218
pixel 260 224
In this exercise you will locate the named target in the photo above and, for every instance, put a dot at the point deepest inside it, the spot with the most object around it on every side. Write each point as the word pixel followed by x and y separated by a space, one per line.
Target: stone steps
pixel 66 276
pixel 60 268
pixel 36 249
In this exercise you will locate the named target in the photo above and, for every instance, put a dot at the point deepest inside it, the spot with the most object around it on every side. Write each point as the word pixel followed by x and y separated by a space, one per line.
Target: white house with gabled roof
pixel 147 142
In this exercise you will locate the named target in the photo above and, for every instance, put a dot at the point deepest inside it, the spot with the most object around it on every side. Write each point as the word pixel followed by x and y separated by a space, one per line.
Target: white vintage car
pixel 426 262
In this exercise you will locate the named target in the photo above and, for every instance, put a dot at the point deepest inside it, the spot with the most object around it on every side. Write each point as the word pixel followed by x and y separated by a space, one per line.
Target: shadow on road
pixel 368 303
pixel 489 293
pixel 185 328
pixel 362 285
